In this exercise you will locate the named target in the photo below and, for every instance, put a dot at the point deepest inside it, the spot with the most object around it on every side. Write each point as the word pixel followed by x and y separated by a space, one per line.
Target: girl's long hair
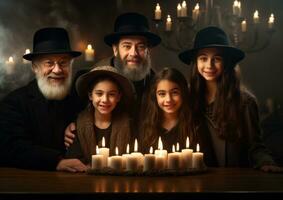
pixel 152 115
pixel 227 104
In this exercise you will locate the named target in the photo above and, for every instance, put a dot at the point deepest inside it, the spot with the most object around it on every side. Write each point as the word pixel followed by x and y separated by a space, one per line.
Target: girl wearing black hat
pixel 227 114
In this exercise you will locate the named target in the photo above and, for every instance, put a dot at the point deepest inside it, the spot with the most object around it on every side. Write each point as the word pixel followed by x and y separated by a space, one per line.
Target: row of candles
pixel 182 12
pixel 89 55
pixel 161 159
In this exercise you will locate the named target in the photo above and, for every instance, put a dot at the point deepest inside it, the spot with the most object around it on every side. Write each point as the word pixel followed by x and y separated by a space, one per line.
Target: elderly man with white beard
pixel 33 118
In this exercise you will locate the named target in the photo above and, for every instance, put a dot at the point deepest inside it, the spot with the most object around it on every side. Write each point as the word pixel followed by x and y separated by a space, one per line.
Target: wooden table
pixel 232 183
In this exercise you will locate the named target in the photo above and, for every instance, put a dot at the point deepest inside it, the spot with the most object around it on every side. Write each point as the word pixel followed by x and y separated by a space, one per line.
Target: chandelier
pixel 178 29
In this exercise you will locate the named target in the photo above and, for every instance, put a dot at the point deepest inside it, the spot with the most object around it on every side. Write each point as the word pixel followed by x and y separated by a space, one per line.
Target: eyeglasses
pixel 61 63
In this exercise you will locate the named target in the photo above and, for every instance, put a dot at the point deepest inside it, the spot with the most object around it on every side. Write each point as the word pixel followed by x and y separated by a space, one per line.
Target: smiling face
pixel 105 95
pixel 168 95
pixel 210 63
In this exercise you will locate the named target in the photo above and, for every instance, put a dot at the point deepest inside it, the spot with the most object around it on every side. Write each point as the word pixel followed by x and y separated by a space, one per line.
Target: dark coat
pixel 32 128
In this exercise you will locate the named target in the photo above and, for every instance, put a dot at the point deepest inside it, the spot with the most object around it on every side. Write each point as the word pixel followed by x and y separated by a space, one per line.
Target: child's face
pixel 105 96
pixel 210 63
pixel 168 95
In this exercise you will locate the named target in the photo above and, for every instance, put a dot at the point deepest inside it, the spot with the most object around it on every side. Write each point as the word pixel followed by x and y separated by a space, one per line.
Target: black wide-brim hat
pixel 132 24
pixel 84 82
pixel 51 40
pixel 211 37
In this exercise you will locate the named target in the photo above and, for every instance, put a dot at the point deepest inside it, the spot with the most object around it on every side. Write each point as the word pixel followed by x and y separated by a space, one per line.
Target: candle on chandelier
pixel 271 21
pixel 97 160
pixel 187 154
pixel 10 66
pixel 157 12
pixel 24 60
pixel 168 23
pixel 256 17
pixel 244 26
pixel 196 12
pixel 89 53
pixel 198 159
pixel 179 8
pixel 149 161
pixel 184 9
pixel 237 8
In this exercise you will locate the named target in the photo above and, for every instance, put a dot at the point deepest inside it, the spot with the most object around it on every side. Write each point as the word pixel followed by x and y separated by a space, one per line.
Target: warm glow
pixel 187 143
pixel 198 147
pixel 128 149
pixel 136 145
pixel 116 151
pixel 271 19
pixel 89 47
pixel 179 7
pixel 151 150
pixel 157 8
pixel 97 150
pixel 103 142
pixel 160 144
pixel 177 147
pixel 173 148
pixel 256 14
pixel 27 51
pixel 184 4
pixel 11 59
pixel 169 18
pixel 196 7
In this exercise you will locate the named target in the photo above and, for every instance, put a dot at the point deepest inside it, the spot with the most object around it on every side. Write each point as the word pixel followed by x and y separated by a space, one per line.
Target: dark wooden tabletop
pixel 215 181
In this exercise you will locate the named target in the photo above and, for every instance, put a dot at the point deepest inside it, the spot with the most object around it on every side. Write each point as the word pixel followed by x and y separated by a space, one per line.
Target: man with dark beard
pixel 131 42
pixel 33 118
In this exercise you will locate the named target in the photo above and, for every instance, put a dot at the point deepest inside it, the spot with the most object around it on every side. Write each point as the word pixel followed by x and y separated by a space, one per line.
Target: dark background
pixel 89 20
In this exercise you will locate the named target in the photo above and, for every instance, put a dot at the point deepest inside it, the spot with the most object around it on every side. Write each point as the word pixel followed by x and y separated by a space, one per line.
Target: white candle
pixel 24 60
pixel 187 155
pixel 10 66
pixel 160 156
pixel 256 17
pixel 157 12
pixel 173 159
pixel 168 23
pixel 104 151
pixel 149 161
pixel 97 160
pixel 125 156
pixel 196 12
pixel 198 159
pixel 137 154
pixel 184 9
pixel 179 8
pixel 116 161
pixel 271 21
pixel 89 53
pixel 237 8
pixel 244 26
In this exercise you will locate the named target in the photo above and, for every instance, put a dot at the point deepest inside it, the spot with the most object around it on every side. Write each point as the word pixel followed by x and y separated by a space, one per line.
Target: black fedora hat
pixel 131 24
pixel 51 40
pixel 212 37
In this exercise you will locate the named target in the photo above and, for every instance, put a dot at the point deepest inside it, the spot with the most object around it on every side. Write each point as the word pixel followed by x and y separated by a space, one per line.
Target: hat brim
pixel 30 56
pixel 83 84
pixel 236 55
pixel 152 38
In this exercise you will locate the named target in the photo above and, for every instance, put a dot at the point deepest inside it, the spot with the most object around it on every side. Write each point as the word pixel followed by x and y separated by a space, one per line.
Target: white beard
pixel 134 74
pixel 53 91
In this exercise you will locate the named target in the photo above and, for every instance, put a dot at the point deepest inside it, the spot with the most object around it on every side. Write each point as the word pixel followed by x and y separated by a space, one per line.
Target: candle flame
pixel 160 144
pixel 256 14
pixel 136 145
pixel 103 142
pixel 179 6
pixel 187 143
pixel 97 150
pixel 198 147
pixel 11 59
pixel 157 7
pixel 89 46
pixel 271 19
pixel 173 148
pixel 196 7
pixel 184 4
pixel 116 151
pixel 128 149
pixel 151 150
pixel 244 21
pixel 177 146
pixel 27 51
pixel 169 18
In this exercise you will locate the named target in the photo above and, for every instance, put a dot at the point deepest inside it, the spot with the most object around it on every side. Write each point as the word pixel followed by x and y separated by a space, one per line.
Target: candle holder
pixel 255 35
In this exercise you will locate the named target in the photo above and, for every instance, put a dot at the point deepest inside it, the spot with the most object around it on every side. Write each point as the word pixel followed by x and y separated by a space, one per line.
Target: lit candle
pixel 10 66
pixel 137 154
pixel 89 53
pixel 179 8
pixel 160 156
pixel 187 153
pixel 24 60
pixel 271 21
pixel 132 163
pixel 184 9
pixel 116 161
pixel 196 12
pixel 149 161
pixel 256 17
pixel 237 8
pixel 173 159
pixel 97 160
pixel 168 23
pixel 198 159
pixel 125 156
pixel 157 12
pixel 244 26
pixel 104 151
